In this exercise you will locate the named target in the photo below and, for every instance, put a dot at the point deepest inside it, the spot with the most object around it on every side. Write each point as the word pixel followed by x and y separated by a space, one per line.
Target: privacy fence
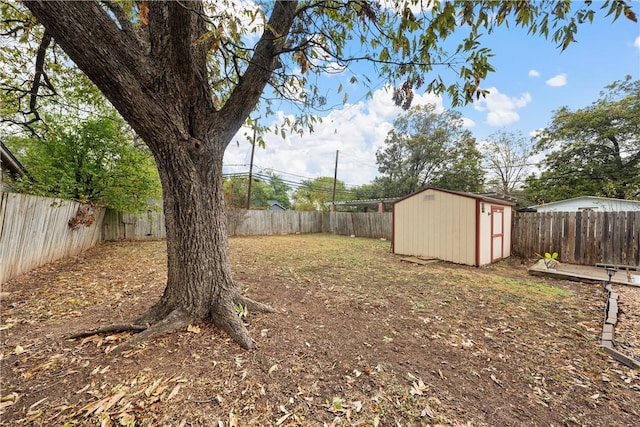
pixel 579 237
pixel 38 230
pixel 242 222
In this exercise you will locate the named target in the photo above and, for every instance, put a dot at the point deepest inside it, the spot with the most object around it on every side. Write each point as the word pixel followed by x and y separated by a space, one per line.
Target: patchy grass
pixel 362 339
pixel 528 288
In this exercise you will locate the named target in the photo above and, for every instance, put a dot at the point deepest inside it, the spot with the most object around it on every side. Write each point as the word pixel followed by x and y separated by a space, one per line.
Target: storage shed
pixel 463 228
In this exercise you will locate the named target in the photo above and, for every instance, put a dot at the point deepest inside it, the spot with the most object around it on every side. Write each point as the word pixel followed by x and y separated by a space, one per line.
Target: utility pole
pixel 335 180
pixel 253 149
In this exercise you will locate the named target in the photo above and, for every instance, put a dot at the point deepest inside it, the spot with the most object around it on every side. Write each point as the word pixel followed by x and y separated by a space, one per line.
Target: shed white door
pixel 497 233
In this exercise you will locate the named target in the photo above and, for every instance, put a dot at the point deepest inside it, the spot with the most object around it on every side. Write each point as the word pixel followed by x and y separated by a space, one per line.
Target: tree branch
pixel 111 57
pixel 265 59
pixel 40 74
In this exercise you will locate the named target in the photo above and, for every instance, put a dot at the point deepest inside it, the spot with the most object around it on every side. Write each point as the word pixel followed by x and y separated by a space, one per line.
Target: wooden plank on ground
pixel 420 260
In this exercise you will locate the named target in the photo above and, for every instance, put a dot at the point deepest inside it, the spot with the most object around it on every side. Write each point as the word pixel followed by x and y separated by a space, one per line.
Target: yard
pixel 361 339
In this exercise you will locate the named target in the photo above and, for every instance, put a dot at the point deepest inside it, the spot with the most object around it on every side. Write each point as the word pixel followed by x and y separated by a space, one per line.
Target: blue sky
pixel 532 79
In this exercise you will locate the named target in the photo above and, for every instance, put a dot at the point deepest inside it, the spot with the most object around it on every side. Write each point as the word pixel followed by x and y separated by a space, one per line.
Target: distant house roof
pixel 575 204
pixel 10 163
pixel 275 206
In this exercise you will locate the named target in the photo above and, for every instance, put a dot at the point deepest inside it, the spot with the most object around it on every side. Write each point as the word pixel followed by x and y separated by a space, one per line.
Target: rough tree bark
pixel 157 78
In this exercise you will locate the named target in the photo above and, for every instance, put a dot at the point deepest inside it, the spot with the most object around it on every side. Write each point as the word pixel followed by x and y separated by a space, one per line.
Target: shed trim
pixel 477 257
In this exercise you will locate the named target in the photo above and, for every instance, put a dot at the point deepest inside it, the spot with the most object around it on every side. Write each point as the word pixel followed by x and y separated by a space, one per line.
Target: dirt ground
pixel 361 339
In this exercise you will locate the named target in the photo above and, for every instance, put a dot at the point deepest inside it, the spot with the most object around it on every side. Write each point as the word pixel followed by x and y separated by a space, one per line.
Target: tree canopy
pixel 315 194
pixel 423 147
pixel 593 151
pixel 507 156
pixel 94 160
pixel 263 190
pixel 406 39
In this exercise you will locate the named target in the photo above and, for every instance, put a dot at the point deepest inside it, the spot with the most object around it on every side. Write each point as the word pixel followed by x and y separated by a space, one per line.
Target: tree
pixel 379 188
pixel 422 145
pixel 594 150
pixel 237 187
pixel 314 195
pixel 279 190
pixel 506 155
pixel 465 172
pixel 185 80
pixel 94 160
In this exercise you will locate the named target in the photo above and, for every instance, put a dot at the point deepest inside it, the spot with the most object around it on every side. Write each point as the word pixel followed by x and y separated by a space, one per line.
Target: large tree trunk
pixel 157 78
pixel 199 282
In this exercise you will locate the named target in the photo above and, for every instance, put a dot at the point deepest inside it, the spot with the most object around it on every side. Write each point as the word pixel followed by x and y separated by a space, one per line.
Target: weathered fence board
pixel 258 222
pixel 369 224
pixel 143 226
pixel 35 231
pixel 579 237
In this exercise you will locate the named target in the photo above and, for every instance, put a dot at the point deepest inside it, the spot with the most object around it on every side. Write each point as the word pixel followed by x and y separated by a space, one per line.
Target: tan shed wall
pixel 436 224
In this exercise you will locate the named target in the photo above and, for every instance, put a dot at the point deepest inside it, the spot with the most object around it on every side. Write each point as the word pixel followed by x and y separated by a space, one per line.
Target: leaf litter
pixel 362 339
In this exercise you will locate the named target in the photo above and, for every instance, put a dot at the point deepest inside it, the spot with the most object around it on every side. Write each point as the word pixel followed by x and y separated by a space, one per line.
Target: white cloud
pixel 534 73
pixel 356 130
pixel 636 42
pixel 557 81
pixel 429 98
pixel 501 108
pixel 468 123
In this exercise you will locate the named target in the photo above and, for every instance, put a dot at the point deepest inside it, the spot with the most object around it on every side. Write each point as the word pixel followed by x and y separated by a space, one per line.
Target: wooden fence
pixel 371 224
pixel 35 231
pixel 144 226
pixel 241 222
pixel 579 237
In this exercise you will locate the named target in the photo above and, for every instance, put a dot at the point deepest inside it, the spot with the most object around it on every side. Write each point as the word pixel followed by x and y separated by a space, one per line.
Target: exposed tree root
pixel 155 314
pixel 176 320
pixel 229 321
pixel 252 305
pixel 124 327
pixel 162 319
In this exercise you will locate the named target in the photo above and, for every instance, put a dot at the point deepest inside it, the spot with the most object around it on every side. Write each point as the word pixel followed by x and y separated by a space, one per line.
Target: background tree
pixel 465 171
pixel 263 189
pixel 186 79
pixel 91 160
pixel 507 156
pixel 593 150
pixel 421 146
pixel 279 190
pixel 236 189
pixel 379 188
pixel 38 83
pixel 314 195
